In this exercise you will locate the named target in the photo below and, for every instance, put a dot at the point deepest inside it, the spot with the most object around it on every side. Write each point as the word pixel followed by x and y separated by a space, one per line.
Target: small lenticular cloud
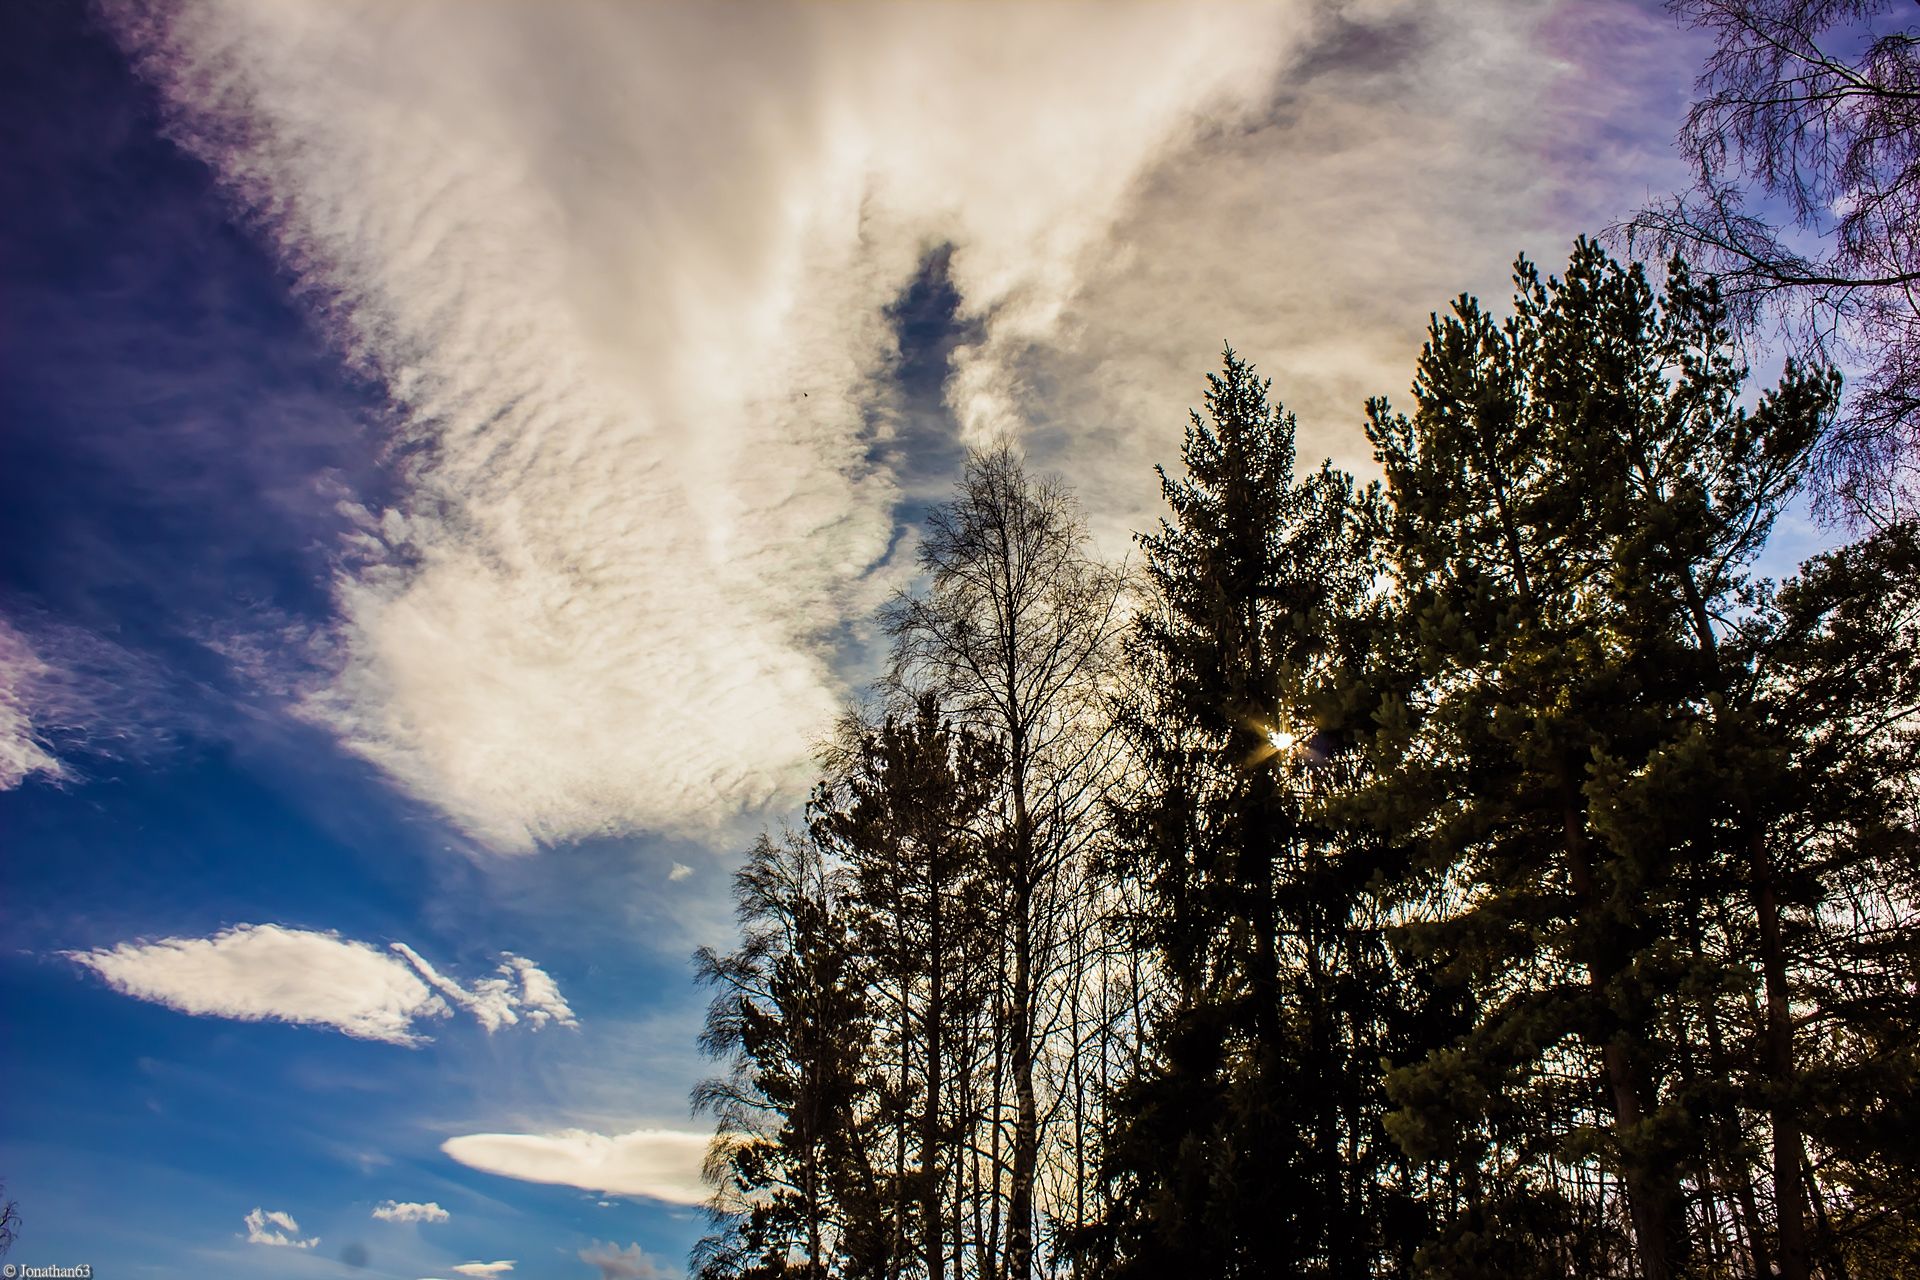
pixel 658 1164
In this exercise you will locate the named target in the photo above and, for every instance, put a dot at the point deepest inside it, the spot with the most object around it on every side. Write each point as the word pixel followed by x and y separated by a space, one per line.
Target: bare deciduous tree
pixel 1016 632
pixel 1805 149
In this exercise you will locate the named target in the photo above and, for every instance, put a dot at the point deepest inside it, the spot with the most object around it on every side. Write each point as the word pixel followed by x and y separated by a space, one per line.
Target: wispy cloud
pixel 494 1001
pixel 634 321
pixel 277 1228
pixel 255 973
pixel 67 694
pixel 410 1211
pixel 632 314
pixel 24 749
pixel 484 1269
pixel 1410 152
pixel 659 1164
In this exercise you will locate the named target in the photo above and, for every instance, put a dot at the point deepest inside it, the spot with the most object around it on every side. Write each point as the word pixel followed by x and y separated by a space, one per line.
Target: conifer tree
pixel 1509 883
pixel 909 819
pixel 795 1190
pixel 1252 1146
pixel 1822 751
pixel 1574 504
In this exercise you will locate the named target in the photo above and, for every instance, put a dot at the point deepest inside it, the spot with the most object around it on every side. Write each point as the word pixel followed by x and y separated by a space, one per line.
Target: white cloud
pixel 410 1211
pixel 539 1000
pixel 267 972
pixel 277 1228
pixel 679 872
pixel 616 1263
pixel 1384 182
pixel 608 600
pixel 660 1164
pixel 493 1000
pixel 484 1268
pixel 631 313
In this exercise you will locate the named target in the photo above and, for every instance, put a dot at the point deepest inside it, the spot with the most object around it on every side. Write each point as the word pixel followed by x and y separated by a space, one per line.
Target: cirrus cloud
pixel 633 315
pixel 24 748
pixel 68 694
pixel 633 323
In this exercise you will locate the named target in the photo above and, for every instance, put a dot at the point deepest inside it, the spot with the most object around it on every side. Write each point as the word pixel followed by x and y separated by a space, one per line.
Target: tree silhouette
pixel 1016 635
pixel 1250 1144
pixel 1574 502
pixel 9 1220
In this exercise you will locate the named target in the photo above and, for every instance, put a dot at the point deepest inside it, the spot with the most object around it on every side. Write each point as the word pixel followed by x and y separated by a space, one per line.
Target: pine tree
pixel 1574 503
pixel 1493 877
pixel 910 820
pixel 795 1189
pixel 1823 743
pixel 1253 1145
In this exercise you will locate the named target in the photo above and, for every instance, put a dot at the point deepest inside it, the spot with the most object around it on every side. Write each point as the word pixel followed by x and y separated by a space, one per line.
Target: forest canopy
pixel 1482 872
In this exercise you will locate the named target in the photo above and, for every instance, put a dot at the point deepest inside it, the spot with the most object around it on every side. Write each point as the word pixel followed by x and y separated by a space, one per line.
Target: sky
pixel 450 455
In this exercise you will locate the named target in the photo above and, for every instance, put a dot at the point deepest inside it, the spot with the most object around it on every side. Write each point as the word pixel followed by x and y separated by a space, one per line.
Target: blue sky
pixel 176 435
pixel 448 460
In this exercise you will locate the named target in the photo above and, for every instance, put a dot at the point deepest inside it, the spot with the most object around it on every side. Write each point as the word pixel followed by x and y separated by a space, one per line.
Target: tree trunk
pixel 990 1251
pixel 1078 1048
pixel 1026 1122
pixel 1653 1195
pixel 1735 1167
pixel 1789 1190
pixel 1834 1263
pixel 932 1245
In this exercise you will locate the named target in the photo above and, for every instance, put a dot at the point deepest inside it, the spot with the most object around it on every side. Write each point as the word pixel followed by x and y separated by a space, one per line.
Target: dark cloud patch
pixel 615 1263
pixel 1347 44
pixel 914 435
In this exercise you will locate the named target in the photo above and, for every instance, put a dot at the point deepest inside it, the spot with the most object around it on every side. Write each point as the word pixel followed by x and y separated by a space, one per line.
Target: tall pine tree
pixel 1253 1145
pixel 911 819
pixel 795 1191
pixel 1574 504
